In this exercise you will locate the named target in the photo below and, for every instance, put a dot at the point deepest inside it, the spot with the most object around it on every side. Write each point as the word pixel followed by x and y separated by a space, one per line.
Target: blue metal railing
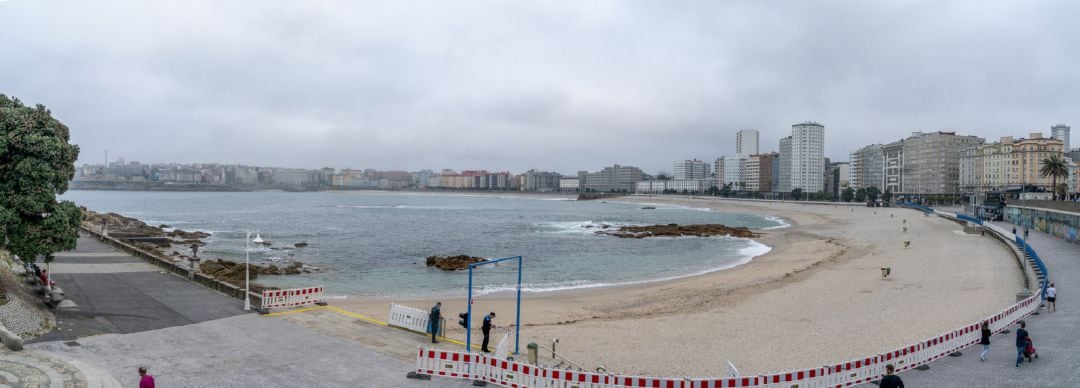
pixel 916 206
pixel 968 218
pixel 1038 263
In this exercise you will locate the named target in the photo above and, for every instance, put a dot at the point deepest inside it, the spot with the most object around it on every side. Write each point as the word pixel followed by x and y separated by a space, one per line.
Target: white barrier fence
pixel 292 297
pixel 410 318
pixel 496 370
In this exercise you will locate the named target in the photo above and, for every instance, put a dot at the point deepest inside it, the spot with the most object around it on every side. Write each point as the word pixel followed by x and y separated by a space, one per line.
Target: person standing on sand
pixel 1021 343
pixel 486 328
pixel 891 380
pixel 1051 297
pixel 433 320
pixel 985 340
pixel 145 380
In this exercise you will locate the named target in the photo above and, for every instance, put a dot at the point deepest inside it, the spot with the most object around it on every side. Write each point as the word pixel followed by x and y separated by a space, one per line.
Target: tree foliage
pixel 860 195
pixel 36 164
pixel 872 193
pixel 1054 167
pixel 847 195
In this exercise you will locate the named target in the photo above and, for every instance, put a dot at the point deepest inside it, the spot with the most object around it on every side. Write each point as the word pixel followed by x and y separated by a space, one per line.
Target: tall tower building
pixel 808 157
pixel 1061 132
pixel 746 142
pixel 783 184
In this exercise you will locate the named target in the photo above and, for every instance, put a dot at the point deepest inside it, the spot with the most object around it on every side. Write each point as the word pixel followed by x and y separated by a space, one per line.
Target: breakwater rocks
pixel 676 230
pixel 233 272
pixel 127 228
pixel 453 263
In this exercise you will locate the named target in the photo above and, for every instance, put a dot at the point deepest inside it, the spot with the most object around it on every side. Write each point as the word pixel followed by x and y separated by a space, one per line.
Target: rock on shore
pixel 676 230
pixel 233 272
pixel 453 263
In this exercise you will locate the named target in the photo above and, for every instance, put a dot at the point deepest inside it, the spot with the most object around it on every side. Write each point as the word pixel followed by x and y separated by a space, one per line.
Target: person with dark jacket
pixel 433 320
pixel 1021 342
pixel 486 328
pixel 985 340
pixel 891 380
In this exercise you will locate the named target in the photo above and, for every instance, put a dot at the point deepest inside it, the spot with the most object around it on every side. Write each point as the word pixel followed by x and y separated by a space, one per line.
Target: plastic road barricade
pixel 460 365
pixel 726 382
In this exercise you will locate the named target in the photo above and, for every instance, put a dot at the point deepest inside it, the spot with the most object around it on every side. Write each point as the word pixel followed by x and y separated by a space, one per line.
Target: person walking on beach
pixel 145 380
pixel 891 380
pixel 1051 298
pixel 486 328
pixel 985 340
pixel 1021 342
pixel 433 320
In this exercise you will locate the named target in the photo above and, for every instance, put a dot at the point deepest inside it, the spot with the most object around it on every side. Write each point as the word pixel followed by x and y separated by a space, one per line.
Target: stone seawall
pixel 206 281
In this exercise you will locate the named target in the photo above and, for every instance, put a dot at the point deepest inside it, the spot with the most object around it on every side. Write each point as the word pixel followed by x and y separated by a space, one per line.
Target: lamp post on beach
pixel 247 268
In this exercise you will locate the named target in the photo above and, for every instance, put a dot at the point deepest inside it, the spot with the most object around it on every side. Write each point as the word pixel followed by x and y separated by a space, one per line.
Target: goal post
pixel 517 323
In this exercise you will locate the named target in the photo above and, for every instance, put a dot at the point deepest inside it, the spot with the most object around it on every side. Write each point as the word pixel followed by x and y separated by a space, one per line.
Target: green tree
pixel 1054 167
pixel 847 195
pixel 796 193
pixel 713 191
pixel 860 195
pixel 36 164
pixel 872 193
pixel 887 196
pixel 726 191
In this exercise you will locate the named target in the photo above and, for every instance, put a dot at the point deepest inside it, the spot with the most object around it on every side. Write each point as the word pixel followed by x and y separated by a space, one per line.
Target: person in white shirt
pixel 1051 298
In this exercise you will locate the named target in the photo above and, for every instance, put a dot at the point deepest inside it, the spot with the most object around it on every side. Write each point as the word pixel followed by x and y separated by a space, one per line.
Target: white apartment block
pixel 784 185
pixel 734 171
pixel 691 169
pixel 679 185
pixel 808 157
pixel 752 173
pixel 746 142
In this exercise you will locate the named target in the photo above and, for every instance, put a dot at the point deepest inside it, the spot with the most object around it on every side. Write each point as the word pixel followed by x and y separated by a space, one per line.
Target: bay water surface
pixel 375 243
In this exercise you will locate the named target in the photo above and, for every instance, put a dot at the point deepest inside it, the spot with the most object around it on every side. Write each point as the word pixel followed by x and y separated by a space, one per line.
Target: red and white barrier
pixel 293 297
pixel 511 374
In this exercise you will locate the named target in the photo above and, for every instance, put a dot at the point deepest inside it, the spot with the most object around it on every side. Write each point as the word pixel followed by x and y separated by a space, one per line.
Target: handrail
pixel 576 365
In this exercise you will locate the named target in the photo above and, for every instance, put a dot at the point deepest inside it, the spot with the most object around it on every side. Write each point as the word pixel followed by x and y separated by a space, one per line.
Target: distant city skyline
pixel 551 86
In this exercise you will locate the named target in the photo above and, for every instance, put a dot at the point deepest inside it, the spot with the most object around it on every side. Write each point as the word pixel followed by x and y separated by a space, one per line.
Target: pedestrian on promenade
pixel 1026 233
pixel 891 380
pixel 985 340
pixel 433 320
pixel 486 328
pixel 1051 298
pixel 145 380
pixel 1021 342
pixel 1014 230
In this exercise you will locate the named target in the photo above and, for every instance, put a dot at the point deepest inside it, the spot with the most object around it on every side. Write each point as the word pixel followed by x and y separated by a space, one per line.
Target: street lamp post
pixel 247 268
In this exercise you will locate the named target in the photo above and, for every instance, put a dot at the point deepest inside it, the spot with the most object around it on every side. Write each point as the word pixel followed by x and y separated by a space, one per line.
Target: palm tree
pixel 1054 167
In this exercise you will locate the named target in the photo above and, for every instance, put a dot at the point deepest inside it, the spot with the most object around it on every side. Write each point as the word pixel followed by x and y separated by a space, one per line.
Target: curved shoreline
pixel 820 277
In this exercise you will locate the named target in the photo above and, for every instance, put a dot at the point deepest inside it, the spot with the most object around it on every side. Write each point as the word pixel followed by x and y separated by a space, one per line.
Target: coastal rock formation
pixel 127 228
pixel 453 263
pixel 676 230
pixel 233 272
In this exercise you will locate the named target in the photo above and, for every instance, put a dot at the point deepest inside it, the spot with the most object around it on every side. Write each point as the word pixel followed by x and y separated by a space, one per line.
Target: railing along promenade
pixel 510 373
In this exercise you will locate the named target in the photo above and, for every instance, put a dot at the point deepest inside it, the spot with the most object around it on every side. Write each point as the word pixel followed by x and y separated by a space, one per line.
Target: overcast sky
pixel 512 85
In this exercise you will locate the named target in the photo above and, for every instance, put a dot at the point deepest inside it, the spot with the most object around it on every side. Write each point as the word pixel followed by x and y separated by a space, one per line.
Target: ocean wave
pixel 746 255
pixel 783 223
pixel 397 207
pixel 583 227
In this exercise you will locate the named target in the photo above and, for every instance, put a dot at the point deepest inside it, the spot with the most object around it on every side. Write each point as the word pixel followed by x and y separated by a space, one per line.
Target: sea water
pixel 375 243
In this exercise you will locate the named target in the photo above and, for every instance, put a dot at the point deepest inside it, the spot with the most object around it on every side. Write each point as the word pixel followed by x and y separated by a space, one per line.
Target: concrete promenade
pixel 1055 335
pixel 130 314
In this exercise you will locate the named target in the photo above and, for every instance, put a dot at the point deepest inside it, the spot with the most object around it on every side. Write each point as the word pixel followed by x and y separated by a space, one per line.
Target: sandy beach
pixel 816 298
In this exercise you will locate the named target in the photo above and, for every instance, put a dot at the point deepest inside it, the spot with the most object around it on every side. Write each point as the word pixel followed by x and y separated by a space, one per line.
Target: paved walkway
pixel 118 293
pixel 1056 335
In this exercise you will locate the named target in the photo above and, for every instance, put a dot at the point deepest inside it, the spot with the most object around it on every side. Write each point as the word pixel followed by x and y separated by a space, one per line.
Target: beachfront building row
pixel 1009 164
pixel 692 169
pixel 622 179
pixel 678 186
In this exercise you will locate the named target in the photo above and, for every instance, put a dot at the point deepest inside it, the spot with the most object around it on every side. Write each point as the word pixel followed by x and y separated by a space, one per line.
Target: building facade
pixel 932 162
pixel 613 179
pixel 734 171
pixel 866 167
pixel 808 157
pixel 691 169
pixel 783 184
pixel 1061 132
pixel 746 142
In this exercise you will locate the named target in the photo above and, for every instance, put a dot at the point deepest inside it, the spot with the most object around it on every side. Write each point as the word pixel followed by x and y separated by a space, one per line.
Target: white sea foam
pixel 584 227
pixel 783 223
pixel 746 255
pixel 396 207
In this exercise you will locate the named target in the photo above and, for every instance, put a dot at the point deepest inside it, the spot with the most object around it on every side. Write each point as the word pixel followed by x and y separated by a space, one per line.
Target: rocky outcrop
pixel 127 228
pixel 676 230
pixel 453 263
pixel 233 272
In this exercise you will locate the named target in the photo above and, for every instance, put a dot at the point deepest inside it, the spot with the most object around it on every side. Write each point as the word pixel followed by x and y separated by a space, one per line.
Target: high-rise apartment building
pixel 734 171
pixel 691 169
pixel 931 162
pixel 746 142
pixel 1061 132
pixel 893 166
pixel 615 178
pixel 766 172
pixel 836 178
pixel 784 183
pixel 867 167
pixel 808 157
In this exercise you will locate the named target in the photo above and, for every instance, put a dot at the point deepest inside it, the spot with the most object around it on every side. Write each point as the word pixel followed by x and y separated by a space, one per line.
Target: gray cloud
pixel 516 85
